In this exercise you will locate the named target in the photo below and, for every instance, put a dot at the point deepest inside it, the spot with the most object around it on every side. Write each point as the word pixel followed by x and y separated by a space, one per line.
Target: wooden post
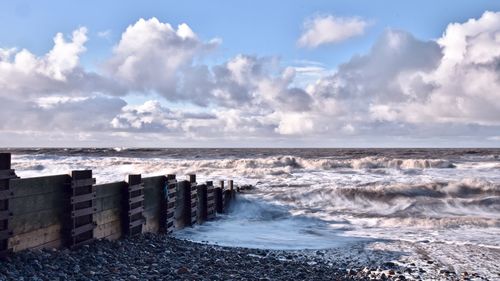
pixel 231 188
pixel 210 200
pixel 80 225
pixel 219 207
pixel 133 206
pixel 202 203
pixel 183 205
pixel 6 174
pixel 193 199
pixel 168 204
pixel 226 195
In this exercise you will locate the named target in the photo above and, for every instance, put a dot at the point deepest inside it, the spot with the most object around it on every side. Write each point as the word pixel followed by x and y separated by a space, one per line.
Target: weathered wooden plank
pixel 135 223
pixel 5 160
pixel 191 178
pixel 136 211
pixel 108 202
pixel 39 185
pixel 5 233
pixel 154 182
pixel 135 187
pixel 136 199
pixel 113 236
pixel 5 214
pixel 107 216
pixel 6 194
pixel 39 202
pixel 108 230
pixel 28 222
pixel 35 238
pixel 50 245
pixel 83 212
pixel 151 225
pixel 81 229
pixel 153 187
pixel 170 224
pixel 152 210
pixel 83 198
pixel 81 174
pixel 110 189
pixel 7 174
pixel 82 182
pixel 83 241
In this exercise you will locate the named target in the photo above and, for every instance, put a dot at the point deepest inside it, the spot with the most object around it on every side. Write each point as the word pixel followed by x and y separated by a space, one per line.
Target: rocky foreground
pixel 158 257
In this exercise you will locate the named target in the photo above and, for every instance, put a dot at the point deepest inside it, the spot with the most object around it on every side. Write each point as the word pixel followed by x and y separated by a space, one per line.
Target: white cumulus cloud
pixel 150 55
pixel 326 29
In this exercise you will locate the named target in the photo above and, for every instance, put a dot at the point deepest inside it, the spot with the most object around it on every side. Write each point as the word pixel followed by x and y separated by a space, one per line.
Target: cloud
pixel 24 75
pixel 59 114
pixel 150 55
pixel 328 29
pixel 295 124
pixel 404 87
pixel 464 87
pixel 419 87
pixel 150 116
pixel 373 77
pixel 244 81
pixel 105 34
pixel 55 66
pixel 63 57
pixel 363 90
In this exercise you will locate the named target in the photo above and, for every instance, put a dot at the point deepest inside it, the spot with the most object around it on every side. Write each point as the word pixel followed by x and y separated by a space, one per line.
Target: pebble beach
pixel 161 257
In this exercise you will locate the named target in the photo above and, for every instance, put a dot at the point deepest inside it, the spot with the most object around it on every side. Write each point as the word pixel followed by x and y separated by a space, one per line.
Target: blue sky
pixel 250 27
pixel 305 73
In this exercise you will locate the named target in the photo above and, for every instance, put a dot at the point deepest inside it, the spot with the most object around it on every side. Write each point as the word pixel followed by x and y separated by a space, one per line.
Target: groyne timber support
pixel 72 210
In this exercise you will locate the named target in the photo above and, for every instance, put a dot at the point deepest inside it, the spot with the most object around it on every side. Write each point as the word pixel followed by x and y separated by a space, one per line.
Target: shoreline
pixel 162 257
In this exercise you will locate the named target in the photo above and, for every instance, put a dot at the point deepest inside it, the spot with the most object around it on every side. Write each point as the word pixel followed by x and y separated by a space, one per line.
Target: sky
pixel 250 73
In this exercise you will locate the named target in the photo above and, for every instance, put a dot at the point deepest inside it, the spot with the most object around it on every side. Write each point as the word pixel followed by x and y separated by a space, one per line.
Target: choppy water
pixel 322 198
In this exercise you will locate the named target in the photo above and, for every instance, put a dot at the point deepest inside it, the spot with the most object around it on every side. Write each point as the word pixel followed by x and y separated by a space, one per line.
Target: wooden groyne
pixel 72 210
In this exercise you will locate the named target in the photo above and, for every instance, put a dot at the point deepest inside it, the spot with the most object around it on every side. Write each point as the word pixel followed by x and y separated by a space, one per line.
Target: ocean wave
pixel 294 163
pixel 430 222
pixel 249 167
pixel 28 165
pixel 465 188
pixel 443 203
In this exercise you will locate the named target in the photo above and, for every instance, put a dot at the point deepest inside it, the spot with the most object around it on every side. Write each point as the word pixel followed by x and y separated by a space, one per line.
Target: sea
pixel 426 206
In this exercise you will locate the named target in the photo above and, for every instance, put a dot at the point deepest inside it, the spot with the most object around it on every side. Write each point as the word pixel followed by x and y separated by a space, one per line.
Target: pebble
pixel 160 257
pixel 182 270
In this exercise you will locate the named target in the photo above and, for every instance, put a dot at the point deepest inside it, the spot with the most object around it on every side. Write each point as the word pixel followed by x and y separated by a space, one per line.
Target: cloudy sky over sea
pixel 249 73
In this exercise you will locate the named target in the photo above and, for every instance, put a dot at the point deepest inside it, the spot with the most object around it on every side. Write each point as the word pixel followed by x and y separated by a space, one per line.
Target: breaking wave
pixel 290 163
pixel 254 168
pixel 437 204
